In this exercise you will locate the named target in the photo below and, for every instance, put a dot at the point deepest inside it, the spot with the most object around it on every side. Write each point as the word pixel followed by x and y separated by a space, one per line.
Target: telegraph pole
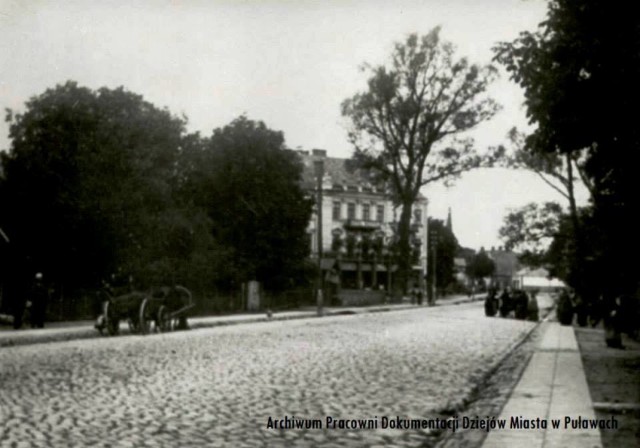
pixel 433 243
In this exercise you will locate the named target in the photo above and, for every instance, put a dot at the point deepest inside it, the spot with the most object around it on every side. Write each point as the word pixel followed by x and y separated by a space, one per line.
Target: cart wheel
pixel 144 321
pixel 163 320
pixel 111 320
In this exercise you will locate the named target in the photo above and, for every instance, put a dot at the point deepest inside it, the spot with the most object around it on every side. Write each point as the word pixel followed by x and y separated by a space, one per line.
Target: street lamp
pixel 359 261
pixel 373 256
pixel 378 245
pixel 319 172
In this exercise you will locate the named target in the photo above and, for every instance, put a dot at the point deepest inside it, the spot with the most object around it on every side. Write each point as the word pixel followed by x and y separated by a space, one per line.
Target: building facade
pixel 355 237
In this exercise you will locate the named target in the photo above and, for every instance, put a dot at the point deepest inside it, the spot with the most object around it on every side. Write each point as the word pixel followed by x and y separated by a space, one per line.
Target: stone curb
pixel 74 333
pixel 462 403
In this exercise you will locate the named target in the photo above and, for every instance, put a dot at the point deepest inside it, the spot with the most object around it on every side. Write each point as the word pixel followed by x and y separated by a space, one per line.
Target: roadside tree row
pixel 101 186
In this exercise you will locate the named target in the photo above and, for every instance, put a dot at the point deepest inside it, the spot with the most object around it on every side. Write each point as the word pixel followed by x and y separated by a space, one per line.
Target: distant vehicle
pixel 516 301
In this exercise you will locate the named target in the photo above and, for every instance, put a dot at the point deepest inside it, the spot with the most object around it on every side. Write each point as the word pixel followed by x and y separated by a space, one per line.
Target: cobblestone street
pixel 219 386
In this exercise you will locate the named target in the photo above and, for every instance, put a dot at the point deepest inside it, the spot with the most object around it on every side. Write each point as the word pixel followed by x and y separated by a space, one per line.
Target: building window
pixel 417 213
pixel 336 211
pixel 380 213
pixel 351 211
pixel 366 212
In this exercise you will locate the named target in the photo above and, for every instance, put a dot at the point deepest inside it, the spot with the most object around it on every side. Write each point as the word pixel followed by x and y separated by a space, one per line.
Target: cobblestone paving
pixel 219 386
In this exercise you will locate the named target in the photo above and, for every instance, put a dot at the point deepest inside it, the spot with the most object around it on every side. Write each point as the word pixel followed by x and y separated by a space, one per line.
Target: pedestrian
pixel 581 310
pixel 505 302
pixel 491 303
pixel 612 321
pixel 565 307
pixel 39 297
pixel 533 310
pixel 414 294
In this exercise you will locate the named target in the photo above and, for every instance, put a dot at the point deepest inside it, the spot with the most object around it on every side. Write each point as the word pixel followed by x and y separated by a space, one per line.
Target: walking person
pixel 39 296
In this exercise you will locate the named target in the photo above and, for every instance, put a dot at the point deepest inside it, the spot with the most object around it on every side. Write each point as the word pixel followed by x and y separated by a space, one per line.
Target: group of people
pixel 518 301
pixel 619 314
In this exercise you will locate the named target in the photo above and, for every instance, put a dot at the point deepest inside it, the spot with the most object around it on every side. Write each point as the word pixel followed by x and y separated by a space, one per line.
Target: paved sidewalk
pixel 613 376
pixel 63 331
pixel 552 387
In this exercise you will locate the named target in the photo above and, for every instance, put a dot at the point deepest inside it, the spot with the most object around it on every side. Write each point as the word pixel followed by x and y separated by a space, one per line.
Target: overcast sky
pixel 287 63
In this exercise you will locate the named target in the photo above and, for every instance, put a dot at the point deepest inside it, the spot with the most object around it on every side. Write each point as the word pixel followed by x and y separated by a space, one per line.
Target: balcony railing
pixel 362 224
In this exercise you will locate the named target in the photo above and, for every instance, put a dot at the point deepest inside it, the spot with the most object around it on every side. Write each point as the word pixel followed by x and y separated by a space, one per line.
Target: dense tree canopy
pixel 480 265
pixel 531 229
pixel 409 125
pixel 86 174
pixel 102 185
pixel 580 71
pixel 256 182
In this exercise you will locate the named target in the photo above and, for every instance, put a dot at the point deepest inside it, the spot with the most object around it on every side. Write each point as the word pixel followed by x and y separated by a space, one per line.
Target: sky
pixel 287 63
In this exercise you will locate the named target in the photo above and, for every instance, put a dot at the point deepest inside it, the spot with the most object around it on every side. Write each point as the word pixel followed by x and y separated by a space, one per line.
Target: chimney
pixel 319 152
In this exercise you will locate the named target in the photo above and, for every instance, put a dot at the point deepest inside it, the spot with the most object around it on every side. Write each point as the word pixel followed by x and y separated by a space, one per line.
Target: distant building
pixel 537 279
pixel 460 271
pixel 507 266
pixel 358 224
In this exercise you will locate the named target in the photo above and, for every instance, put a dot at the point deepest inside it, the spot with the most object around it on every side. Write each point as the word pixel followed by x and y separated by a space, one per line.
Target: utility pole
pixel 433 244
pixel 319 172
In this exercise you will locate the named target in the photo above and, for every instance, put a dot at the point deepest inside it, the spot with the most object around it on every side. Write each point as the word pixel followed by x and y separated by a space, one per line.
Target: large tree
pixel 529 230
pixel 409 126
pixel 251 189
pixel 480 266
pixel 580 71
pixel 87 186
pixel 561 172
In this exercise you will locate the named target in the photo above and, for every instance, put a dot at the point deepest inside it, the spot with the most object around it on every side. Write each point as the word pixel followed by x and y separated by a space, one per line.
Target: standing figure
pixel 39 297
pixel 491 303
pixel 565 307
pixel 612 324
pixel 505 302
pixel 533 310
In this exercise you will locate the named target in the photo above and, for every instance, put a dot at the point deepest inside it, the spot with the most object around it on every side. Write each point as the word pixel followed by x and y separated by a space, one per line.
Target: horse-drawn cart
pixel 166 309
pixel 162 310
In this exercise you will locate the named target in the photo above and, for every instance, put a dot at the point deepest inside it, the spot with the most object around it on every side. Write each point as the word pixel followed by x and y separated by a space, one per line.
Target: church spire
pixel 449 225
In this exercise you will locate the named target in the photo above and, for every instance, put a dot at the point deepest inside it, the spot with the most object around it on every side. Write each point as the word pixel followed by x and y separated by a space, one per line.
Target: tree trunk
pixel 404 245
pixel 578 259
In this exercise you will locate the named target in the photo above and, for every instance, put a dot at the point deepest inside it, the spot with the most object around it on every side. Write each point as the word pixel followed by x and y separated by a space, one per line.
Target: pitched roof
pixel 529 272
pixel 506 263
pixel 338 171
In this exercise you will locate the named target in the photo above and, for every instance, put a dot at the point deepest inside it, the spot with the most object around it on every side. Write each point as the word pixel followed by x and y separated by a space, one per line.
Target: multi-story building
pixel 358 225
